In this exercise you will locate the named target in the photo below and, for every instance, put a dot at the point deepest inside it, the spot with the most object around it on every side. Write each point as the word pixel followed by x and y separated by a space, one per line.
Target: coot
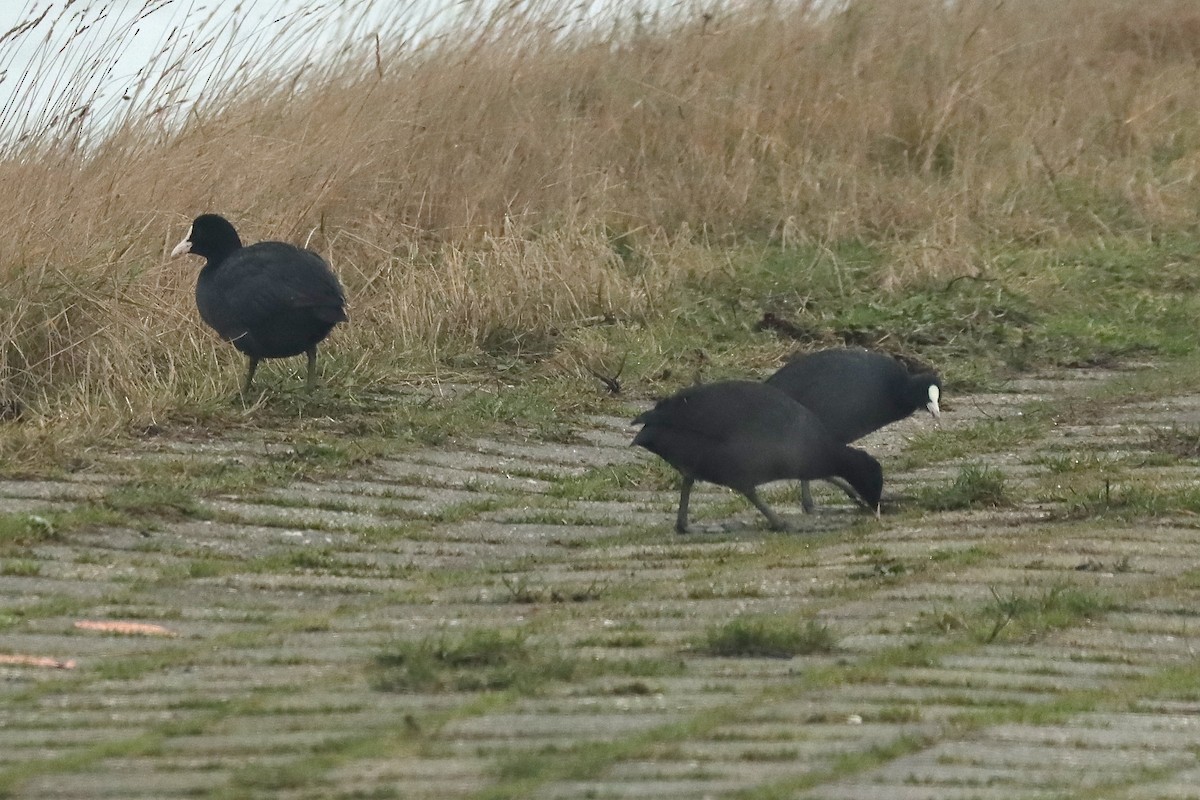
pixel 854 392
pixel 271 299
pixel 742 434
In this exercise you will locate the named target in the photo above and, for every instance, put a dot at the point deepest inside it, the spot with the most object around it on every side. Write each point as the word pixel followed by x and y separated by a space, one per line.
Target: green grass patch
pixel 1181 441
pixel 43 609
pixel 26 529
pixel 465 510
pixel 722 589
pixel 20 567
pixel 845 765
pixel 975 486
pixel 23 530
pixel 519 589
pixel 1015 616
pixel 628 634
pixel 1077 461
pixel 769 637
pixel 1130 501
pixel 600 483
pixel 152 500
pixel 542 406
pixel 317 559
pixel 988 436
pixel 962 556
pixel 209 567
pixel 473 661
pixel 555 517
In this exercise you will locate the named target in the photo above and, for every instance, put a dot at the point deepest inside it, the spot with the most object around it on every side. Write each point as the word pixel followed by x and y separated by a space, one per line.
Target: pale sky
pixel 110 56
pixel 95 53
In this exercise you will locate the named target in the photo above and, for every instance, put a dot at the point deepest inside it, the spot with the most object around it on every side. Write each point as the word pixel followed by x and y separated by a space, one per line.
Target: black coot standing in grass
pixel 271 299
pixel 854 392
pixel 742 434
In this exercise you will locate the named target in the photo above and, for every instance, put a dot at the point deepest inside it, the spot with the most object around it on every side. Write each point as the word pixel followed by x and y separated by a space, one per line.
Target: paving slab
pixel 284 598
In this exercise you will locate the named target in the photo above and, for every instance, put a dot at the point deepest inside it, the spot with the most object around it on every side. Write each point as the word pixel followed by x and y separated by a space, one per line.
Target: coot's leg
pixel 776 523
pixel 806 500
pixel 249 375
pixel 312 367
pixel 685 493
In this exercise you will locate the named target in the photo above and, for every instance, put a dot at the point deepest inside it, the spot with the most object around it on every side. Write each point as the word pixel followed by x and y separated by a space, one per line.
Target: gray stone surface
pixel 282 600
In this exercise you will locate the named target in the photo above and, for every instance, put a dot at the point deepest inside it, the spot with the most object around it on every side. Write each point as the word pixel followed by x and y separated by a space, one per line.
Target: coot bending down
pixel 742 434
pixel 855 392
pixel 271 299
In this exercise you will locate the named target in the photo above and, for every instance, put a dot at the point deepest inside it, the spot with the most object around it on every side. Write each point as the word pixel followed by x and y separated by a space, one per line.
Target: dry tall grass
pixel 468 181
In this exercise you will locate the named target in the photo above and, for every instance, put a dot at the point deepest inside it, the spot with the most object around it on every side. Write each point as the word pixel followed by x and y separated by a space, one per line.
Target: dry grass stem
pixel 481 178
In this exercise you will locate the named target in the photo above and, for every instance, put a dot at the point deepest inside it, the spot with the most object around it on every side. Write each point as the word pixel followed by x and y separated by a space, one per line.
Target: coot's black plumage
pixel 271 299
pixel 742 434
pixel 854 392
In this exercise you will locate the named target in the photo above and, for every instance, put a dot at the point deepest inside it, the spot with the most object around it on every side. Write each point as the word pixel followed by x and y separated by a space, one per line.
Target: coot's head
pixel 866 476
pixel 211 236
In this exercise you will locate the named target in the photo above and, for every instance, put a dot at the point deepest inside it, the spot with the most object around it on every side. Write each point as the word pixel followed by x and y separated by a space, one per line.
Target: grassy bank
pixel 534 197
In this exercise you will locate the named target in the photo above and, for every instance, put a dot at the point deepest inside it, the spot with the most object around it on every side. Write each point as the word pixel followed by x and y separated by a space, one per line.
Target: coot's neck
pixel 856 468
pixel 215 239
pixel 845 463
pixel 212 265
pixel 217 257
